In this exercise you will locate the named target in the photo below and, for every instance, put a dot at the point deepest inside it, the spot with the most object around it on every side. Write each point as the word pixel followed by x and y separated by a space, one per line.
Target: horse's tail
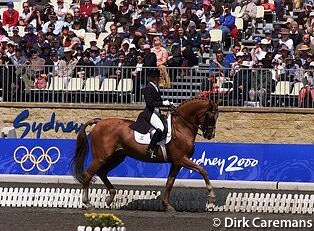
pixel 81 151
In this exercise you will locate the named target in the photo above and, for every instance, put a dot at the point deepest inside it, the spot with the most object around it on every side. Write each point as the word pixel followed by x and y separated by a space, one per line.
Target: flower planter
pixel 88 228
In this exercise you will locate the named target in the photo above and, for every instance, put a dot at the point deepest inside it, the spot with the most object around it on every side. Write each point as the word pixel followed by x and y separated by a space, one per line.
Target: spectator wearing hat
pixel 306 40
pixel 53 21
pixel 123 17
pixel 150 59
pixel 260 51
pixel 109 10
pixel 195 37
pixel 30 36
pixel 67 66
pixel 26 13
pixel 78 30
pixel 303 50
pixel 16 38
pixel 96 23
pixel 148 20
pixel 125 46
pixel 10 16
pixel 94 55
pixel 113 37
pixel 241 81
pixel 285 38
pixel 235 67
pixel 226 21
pixel 86 8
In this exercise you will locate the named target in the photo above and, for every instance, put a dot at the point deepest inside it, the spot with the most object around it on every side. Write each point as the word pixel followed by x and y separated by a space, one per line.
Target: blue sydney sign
pixel 223 161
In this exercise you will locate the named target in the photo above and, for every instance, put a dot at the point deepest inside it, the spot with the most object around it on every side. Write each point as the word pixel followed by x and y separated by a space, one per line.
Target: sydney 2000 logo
pixel 36 158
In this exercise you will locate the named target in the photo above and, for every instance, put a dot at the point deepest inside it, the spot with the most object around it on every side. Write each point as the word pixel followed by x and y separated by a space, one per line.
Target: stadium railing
pixel 112 85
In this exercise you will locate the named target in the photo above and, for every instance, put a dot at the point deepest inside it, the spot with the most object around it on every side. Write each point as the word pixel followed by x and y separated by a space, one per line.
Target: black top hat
pixel 153 73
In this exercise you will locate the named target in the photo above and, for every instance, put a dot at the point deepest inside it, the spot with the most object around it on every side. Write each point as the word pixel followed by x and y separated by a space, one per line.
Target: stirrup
pixel 151 153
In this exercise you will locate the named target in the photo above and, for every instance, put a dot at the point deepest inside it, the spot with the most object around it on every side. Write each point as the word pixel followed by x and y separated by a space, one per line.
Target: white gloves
pixel 167 103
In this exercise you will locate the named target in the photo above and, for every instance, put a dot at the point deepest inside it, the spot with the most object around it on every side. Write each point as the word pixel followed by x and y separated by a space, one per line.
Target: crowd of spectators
pixel 161 34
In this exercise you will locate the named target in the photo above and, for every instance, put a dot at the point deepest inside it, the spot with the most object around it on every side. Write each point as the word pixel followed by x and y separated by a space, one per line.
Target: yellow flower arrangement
pixel 102 220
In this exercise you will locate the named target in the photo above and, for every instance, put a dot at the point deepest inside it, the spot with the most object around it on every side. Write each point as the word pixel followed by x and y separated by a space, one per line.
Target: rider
pixel 151 112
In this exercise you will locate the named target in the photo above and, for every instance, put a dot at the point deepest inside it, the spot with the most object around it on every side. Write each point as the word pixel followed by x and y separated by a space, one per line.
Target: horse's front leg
pixel 174 170
pixel 187 163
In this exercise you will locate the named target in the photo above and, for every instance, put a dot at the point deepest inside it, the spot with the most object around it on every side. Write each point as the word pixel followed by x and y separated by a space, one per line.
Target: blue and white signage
pixel 223 161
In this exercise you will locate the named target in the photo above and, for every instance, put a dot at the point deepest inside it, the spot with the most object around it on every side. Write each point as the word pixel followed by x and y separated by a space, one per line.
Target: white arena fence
pixel 120 85
pixel 151 200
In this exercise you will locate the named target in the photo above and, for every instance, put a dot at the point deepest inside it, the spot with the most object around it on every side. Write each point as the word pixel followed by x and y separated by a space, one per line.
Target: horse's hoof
pixel 212 198
pixel 87 206
pixel 169 209
pixel 109 200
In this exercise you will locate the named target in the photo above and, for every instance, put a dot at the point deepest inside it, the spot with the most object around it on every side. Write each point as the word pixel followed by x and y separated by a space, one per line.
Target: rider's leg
pixel 156 122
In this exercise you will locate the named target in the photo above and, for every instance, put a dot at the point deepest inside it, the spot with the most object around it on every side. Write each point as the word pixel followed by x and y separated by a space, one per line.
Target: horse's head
pixel 209 120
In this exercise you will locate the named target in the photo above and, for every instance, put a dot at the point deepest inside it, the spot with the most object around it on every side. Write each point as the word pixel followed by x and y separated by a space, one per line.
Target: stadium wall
pixel 235 124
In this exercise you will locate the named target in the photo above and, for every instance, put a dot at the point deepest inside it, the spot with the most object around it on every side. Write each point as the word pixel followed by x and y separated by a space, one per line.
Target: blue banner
pixel 223 161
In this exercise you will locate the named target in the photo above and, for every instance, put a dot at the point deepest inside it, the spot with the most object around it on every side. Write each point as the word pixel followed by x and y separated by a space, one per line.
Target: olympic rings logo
pixel 36 162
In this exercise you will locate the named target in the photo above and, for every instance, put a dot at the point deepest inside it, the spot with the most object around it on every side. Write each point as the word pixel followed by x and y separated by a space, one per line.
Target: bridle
pixel 204 127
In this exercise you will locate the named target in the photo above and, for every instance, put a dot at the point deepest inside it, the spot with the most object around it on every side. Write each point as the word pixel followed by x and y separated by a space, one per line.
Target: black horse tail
pixel 81 151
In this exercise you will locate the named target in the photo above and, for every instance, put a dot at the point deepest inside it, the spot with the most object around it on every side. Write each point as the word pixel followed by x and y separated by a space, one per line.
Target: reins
pixel 185 121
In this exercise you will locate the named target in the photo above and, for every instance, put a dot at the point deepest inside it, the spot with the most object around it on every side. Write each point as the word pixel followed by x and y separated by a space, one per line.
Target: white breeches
pixel 156 122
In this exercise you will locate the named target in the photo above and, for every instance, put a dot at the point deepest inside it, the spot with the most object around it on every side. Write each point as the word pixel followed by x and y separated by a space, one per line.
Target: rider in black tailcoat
pixel 150 117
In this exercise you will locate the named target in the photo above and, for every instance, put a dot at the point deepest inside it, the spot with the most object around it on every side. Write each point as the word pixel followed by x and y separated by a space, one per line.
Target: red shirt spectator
pixel 10 16
pixel 86 9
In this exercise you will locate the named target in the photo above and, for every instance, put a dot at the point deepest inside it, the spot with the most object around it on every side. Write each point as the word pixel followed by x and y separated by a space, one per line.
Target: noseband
pixel 206 126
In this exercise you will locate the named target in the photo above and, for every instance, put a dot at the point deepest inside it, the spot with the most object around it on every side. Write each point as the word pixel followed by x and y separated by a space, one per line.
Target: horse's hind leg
pixel 186 162
pixel 87 176
pixel 117 158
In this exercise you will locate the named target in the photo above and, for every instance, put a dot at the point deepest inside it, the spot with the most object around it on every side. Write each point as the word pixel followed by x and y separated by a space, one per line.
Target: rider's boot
pixel 151 147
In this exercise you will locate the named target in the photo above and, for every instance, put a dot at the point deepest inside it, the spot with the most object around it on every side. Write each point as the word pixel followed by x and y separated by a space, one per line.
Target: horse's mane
pixel 202 96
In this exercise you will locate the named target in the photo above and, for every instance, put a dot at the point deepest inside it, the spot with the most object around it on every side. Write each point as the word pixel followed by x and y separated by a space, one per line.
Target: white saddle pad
pixel 145 138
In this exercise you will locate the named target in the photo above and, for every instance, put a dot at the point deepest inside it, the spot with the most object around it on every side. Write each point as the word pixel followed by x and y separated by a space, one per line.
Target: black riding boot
pixel 151 147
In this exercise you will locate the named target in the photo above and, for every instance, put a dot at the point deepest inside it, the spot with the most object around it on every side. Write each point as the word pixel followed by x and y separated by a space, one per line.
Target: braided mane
pixel 201 96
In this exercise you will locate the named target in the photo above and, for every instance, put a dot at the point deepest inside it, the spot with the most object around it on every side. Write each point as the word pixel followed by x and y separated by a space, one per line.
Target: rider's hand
pixel 166 103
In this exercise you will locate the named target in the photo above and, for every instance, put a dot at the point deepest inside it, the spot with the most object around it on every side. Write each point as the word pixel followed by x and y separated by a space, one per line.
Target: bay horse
pixel 112 140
